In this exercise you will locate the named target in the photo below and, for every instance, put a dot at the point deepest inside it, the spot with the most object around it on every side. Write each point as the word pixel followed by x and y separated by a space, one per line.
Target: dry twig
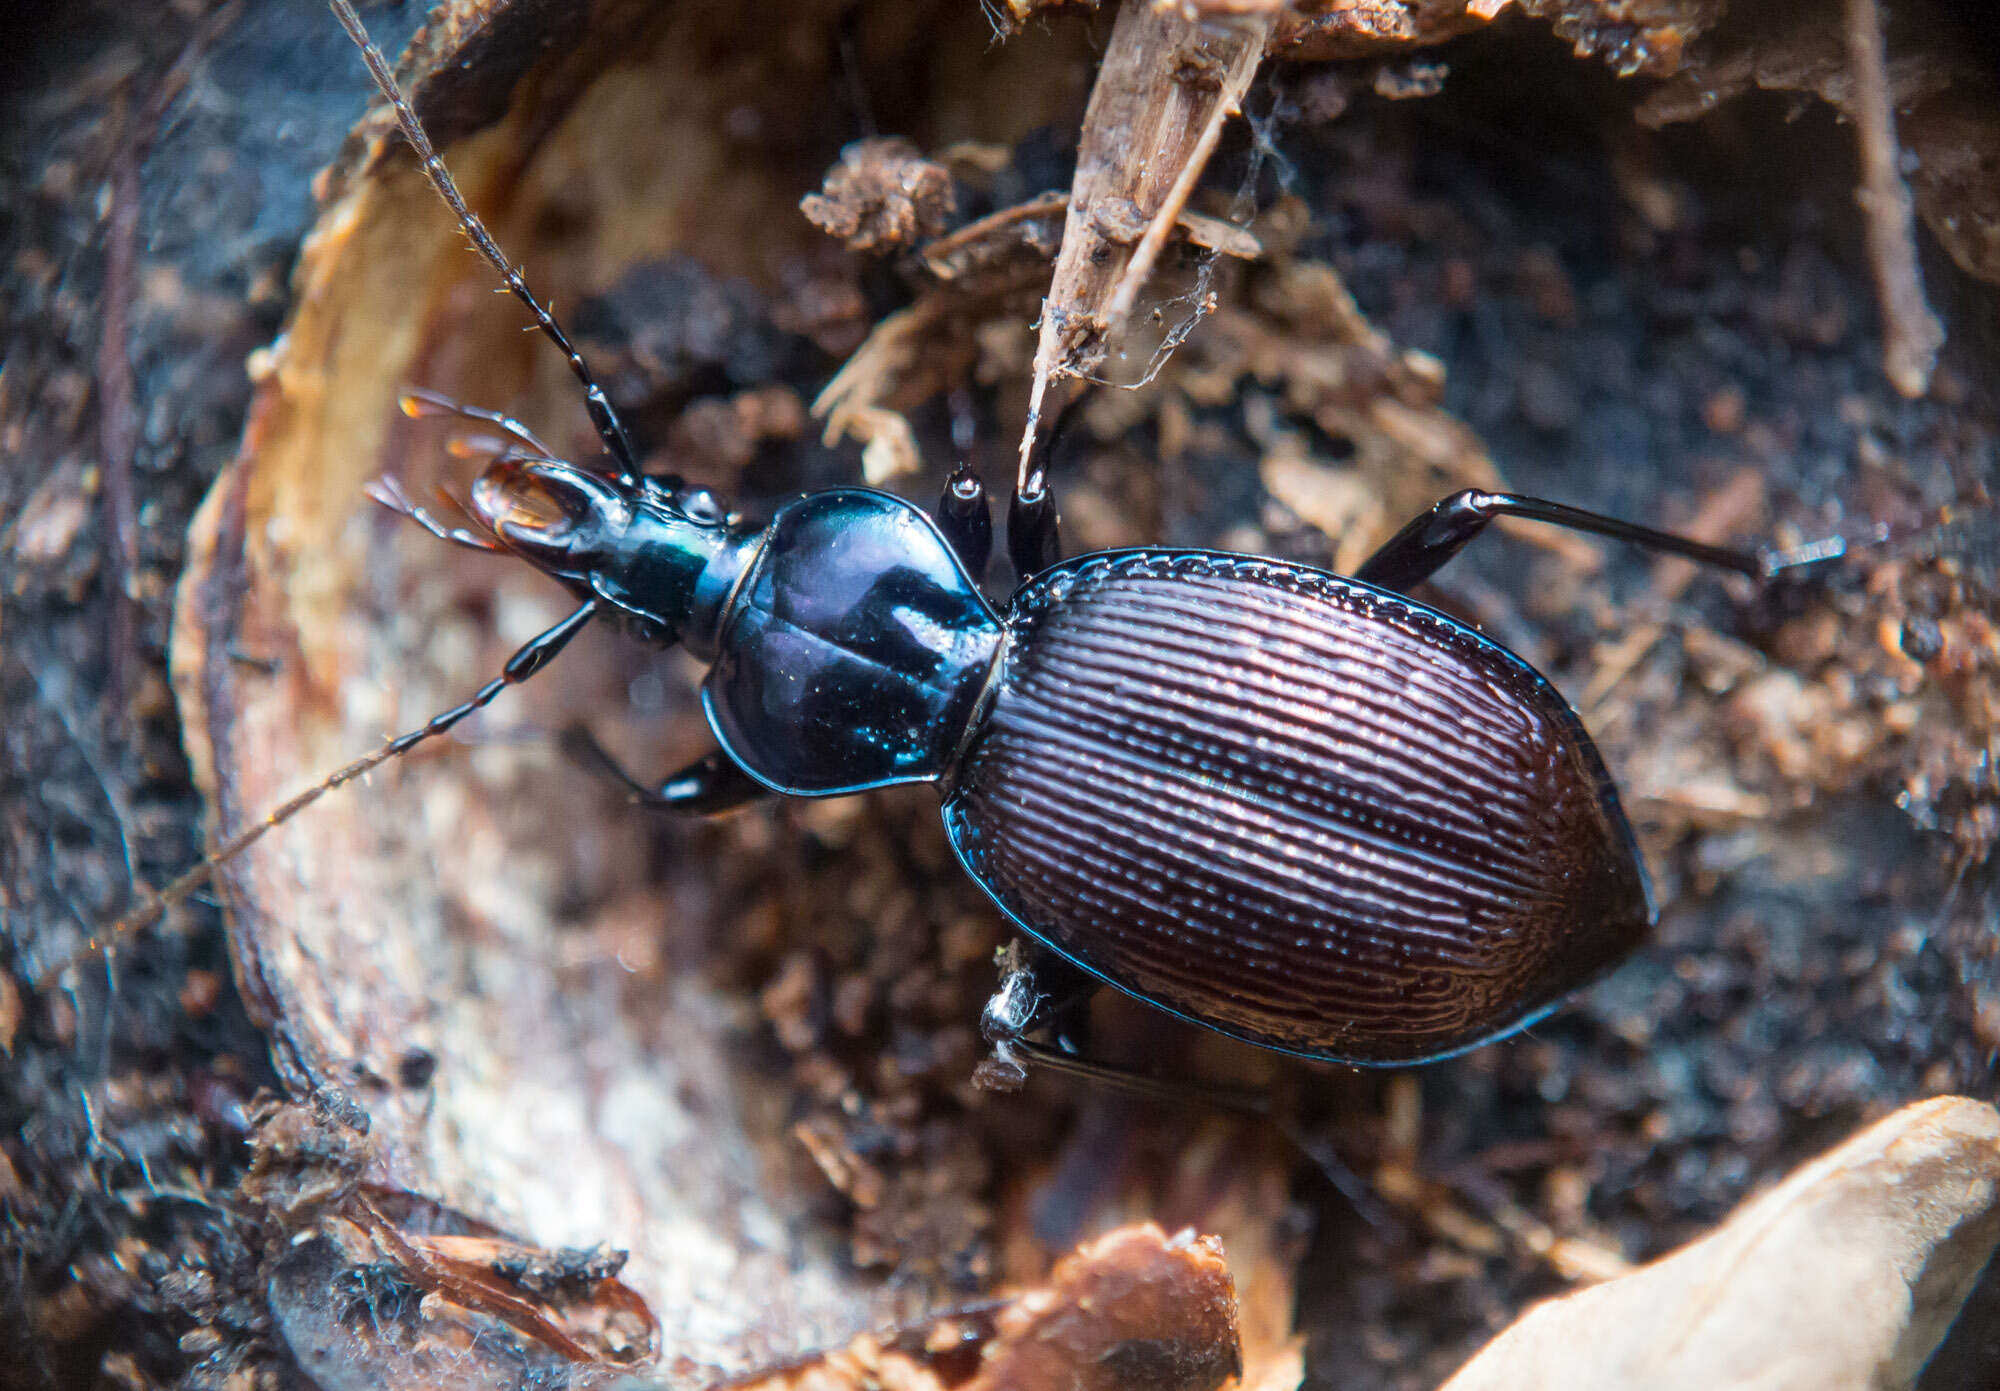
pixel 1164 90
pixel 1911 333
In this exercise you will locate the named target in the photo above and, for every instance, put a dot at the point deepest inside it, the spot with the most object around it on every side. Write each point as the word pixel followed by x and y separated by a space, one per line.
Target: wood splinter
pixel 1911 333
pixel 1167 85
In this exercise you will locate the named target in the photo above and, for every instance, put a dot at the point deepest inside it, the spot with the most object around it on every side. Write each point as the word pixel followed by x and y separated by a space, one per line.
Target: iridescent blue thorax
pixel 853 651
pixel 850 647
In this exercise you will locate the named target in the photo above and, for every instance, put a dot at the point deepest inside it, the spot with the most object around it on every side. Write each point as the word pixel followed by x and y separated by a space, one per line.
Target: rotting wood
pixel 1944 118
pixel 1846 1274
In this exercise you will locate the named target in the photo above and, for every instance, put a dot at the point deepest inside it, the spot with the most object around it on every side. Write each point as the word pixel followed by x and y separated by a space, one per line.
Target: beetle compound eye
pixel 700 505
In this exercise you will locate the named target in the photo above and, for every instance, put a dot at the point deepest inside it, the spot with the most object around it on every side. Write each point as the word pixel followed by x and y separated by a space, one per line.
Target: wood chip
pixel 1847 1275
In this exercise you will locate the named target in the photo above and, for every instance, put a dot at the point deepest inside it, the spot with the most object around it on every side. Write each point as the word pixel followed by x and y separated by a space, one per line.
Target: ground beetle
pixel 1304 810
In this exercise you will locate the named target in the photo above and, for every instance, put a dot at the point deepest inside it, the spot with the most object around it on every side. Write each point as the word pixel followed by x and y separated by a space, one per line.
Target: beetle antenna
pixel 531 658
pixel 534 654
pixel 610 429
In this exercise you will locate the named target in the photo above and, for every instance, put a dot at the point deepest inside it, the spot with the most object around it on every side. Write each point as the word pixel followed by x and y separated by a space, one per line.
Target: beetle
pixel 1306 810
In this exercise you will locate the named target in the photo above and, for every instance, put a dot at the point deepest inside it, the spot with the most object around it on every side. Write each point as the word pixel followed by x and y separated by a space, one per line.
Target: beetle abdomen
pixel 1308 812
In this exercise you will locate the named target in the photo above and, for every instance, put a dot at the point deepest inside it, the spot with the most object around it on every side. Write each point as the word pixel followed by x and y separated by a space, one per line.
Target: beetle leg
pixel 1032 525
pixel 1037 987
pixel 710 785
pixel 1033 539
pixel 966 520
pixel 1416 552
pixel 1039 990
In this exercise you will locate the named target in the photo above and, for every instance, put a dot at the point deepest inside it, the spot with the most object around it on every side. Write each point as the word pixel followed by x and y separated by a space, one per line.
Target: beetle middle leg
pixel 1034 540
pixel 710 785
pixel 966 519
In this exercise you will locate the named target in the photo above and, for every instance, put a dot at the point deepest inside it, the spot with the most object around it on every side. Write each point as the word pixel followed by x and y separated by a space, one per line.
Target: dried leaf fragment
pixel 1348 29
pixel 1167 84
pixel 352 1259
pixel 1912 334
pixel 1135 1307
pixel 1132 1306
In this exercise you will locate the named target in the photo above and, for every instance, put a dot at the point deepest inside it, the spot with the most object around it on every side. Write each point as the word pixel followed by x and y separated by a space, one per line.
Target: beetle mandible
pixel 1302 809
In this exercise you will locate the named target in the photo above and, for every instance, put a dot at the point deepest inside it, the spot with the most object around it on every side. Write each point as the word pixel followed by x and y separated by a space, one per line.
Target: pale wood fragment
pixel 1845 1277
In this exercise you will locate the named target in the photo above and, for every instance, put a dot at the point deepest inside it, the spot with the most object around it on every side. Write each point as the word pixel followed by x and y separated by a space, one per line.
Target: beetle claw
pixel 1003 1072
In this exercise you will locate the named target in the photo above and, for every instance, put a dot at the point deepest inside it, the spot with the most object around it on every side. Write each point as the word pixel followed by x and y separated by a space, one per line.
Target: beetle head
pixel 643 544
pixel 558 517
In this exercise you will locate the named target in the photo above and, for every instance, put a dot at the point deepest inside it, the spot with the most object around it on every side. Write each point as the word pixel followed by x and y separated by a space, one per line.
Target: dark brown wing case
pixel 1304 811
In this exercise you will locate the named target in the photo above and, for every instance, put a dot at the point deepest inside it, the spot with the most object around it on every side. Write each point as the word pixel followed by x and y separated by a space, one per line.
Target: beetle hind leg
pixel 1041 991
pixel 1420 549
pixel 1038 990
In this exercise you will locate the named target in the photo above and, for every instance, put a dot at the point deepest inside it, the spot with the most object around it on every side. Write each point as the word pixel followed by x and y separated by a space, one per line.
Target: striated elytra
pixel 1307 812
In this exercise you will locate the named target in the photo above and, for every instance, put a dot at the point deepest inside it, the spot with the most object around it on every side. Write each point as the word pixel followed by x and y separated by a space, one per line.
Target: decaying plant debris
pixel 561 1086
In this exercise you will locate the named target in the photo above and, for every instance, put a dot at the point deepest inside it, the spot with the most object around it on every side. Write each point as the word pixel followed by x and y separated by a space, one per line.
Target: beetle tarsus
pixel 709 786
pixel 1003 1072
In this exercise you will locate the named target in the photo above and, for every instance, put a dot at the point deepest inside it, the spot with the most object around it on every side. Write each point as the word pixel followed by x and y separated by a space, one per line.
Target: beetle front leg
pixel 709 786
